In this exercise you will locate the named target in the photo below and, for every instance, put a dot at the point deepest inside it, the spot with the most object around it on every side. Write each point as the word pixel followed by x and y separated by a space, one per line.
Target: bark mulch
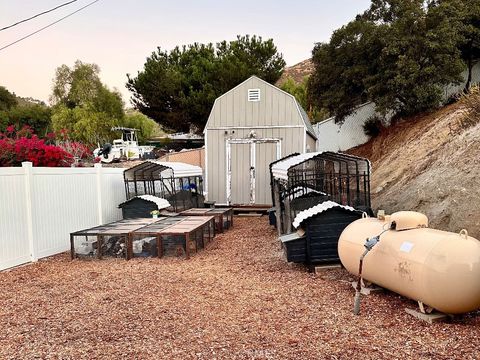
pixel 238 299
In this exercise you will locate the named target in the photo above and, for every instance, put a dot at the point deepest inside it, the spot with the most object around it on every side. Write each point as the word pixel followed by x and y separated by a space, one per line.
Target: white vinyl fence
pixel 40 207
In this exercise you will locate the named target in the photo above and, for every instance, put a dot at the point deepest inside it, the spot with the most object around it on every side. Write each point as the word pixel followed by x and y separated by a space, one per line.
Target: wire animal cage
pixel 305 180
pixel 178 183
pixel 177 235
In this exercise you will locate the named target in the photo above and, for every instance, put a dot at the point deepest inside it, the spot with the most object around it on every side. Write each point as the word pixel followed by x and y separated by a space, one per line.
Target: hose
pixel 358 289
pixel 369 244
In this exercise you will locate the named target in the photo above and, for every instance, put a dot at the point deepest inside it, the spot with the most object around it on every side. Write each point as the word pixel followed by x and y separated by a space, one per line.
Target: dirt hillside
pixel 430 164
pixel 297 72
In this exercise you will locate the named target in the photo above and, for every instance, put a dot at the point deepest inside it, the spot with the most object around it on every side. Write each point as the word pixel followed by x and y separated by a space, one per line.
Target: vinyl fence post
pixel 27 167
pixel 98 170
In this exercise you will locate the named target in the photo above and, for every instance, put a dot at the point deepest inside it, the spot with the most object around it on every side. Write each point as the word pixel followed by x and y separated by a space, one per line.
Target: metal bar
pixel 187 246
pixel 72 247
pixel 99 246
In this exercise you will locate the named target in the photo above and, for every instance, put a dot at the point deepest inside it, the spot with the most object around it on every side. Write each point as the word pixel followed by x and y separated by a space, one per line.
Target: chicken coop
pixel 178 183
pixel 321 227
pixel 302 181
pixel 142 206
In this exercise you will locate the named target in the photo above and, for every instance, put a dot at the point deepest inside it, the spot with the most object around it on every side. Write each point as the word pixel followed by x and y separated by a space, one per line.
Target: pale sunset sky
pixel 118 35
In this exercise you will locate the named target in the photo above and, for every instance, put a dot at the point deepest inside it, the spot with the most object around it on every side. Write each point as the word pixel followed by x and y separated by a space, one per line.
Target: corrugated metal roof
pixel 160 202
pixel 181 169
pixel 280 169
pixel 303 190
pixel 149 167
pixel 318 209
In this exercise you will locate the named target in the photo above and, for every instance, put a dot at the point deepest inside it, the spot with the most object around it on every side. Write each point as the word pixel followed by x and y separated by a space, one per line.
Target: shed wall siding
pixel 291 141
pixel 311 144
pixel 275 108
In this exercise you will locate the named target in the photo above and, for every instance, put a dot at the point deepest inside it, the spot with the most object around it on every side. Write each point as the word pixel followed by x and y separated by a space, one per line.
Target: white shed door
pixel 248 178
pixel 240 175
pixel 265 154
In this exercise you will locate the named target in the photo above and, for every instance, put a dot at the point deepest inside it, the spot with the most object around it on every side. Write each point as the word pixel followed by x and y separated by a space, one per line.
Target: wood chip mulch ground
pixel 238 299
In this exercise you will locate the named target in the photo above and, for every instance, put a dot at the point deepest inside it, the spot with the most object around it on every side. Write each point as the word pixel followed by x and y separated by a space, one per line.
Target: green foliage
pixel 7 99
pixel 297 90
pixel 20 112
pixel 373 126
pixel 137 120
pixel 399 54
pixel 84 106
pixel 343 65
pixel 177 88
pixel 36 116
pixel 301 95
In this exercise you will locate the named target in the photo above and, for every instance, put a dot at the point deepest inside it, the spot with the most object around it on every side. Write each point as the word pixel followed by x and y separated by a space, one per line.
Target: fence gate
pixel 248 162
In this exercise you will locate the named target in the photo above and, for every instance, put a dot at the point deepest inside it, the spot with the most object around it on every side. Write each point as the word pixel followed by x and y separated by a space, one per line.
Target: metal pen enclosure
pixel 180 184
pixel 250 126
pixel 302 181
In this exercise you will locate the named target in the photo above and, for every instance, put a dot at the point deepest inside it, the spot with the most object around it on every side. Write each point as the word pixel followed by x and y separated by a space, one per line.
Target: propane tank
pixel 440 269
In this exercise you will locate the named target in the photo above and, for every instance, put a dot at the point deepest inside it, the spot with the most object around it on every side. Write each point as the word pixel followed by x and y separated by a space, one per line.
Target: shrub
pixel 373 126
pixel 471 101
pixel 19 146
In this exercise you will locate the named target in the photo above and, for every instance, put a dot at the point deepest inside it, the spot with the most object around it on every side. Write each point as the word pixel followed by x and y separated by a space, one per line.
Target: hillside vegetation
pixel 430 163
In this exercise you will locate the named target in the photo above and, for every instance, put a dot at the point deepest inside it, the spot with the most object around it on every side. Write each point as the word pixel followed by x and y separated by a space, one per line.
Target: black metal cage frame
pixel 153 178
pixel 338 177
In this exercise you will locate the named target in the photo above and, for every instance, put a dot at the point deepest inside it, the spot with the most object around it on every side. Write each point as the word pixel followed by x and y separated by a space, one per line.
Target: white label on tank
pixel 406 247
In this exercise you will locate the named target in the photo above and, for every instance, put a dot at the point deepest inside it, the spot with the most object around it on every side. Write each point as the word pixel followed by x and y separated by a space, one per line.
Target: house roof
pixel 301 111
pixel 318 209
pixel 153 169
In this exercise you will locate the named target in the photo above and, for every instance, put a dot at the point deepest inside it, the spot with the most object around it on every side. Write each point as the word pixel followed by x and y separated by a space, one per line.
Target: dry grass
pixel 238 299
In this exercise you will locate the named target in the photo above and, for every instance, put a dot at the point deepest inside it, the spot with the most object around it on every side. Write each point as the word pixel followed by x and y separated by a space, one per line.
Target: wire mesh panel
pixel 109 240
pixel 180 184
pixel 302 181
pixel 223 217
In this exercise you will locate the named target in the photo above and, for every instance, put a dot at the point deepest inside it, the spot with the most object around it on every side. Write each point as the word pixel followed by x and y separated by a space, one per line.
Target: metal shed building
pixel 249 127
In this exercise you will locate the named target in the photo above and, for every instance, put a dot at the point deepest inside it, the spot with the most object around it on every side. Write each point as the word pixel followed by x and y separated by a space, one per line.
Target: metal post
pixel 278 207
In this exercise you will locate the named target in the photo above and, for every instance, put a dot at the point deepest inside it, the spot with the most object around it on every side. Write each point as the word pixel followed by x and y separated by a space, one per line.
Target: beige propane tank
pixel 438 268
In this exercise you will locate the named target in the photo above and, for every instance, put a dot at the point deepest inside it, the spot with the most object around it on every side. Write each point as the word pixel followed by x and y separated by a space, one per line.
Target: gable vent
pixel 253 94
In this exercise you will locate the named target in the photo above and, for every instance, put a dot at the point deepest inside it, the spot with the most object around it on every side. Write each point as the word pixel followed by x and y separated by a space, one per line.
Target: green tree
pixel 37 116
pixel 7 99
pixel 399 54
pixel 342 67
pixel 146 126
pixel 83 105
pixel 420 56
pixel 301 94
pixel 177 88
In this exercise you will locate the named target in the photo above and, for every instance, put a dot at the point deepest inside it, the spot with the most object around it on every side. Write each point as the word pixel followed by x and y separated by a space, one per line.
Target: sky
pixel 119 35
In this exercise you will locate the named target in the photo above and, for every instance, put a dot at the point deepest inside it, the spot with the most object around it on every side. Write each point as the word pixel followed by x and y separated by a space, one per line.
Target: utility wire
pixel 34 16
pixel 47 26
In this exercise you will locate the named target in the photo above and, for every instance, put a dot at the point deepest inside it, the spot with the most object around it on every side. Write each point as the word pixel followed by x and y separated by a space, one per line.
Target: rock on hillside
pixel 297 72
pixel 430 164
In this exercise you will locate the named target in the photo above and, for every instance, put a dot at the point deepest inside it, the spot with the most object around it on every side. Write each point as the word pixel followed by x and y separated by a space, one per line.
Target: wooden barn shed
pixel 249 127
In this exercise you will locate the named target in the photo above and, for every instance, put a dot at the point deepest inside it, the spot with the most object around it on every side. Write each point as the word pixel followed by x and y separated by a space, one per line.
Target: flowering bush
pixel 23 145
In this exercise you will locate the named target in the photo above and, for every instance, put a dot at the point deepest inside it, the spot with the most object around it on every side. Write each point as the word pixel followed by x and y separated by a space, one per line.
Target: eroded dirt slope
pixel 429 164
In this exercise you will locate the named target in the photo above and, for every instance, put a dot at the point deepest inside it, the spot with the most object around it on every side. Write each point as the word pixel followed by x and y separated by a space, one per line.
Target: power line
pixel 37 15
pixel 47 26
